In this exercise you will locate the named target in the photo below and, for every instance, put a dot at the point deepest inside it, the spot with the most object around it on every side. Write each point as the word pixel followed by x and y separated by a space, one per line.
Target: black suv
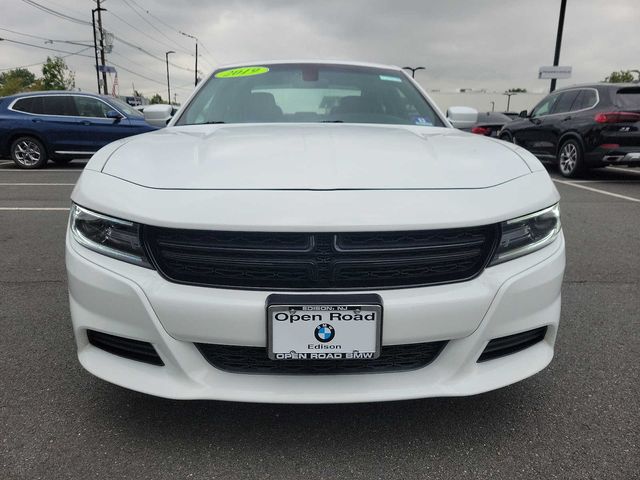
pixel 582 127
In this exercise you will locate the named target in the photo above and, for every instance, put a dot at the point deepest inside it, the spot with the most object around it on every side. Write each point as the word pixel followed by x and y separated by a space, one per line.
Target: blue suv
pixel 60 126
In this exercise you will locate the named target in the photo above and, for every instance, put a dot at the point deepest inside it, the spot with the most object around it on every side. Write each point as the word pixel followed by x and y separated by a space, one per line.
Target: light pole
pixel 196 68
pixel 413 70
pixel 556 56
pixel 508 94
pixel 166 56
pixel 493 106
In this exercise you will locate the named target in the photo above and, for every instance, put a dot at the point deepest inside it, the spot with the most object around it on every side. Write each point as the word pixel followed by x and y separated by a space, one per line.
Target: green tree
pixel 15 81
pixel 622 76
pixel 56 75
pixel 156 99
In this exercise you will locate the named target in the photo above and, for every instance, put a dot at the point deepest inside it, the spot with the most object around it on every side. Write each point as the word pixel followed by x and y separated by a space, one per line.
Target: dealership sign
pixel 554 72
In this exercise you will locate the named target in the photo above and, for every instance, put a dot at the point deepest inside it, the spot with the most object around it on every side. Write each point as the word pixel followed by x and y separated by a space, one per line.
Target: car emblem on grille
pixel 324 333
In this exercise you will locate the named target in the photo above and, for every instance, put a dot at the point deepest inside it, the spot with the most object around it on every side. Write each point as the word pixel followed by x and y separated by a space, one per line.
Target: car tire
pixel 570 159
pixel 506 136
pixel 62 161
pixel 28 153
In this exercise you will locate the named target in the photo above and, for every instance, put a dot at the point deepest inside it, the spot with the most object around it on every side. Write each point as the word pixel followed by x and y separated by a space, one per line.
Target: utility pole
pixel 556 56
pixel 196 39
pixel 166 55
pixel 95 45
pixel 99 9
pixel 413 70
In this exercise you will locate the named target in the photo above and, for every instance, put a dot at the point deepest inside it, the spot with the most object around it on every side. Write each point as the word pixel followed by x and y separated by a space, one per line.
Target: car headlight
pixel 527 234
pixel 107 235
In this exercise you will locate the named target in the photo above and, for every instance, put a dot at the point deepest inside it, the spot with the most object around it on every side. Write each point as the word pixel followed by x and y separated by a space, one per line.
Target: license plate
pixel 331 327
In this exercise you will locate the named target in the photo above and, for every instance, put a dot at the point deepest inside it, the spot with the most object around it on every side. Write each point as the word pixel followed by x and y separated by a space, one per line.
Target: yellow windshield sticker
pixel 242 72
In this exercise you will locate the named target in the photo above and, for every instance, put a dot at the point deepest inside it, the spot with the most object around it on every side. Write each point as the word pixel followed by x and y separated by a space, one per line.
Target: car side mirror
pixel 114 115
pixel 524 114
pixel 158 115
pixel 462 117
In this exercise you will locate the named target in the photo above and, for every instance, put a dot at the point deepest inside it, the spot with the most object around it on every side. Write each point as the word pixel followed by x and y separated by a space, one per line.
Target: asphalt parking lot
pixel 578 419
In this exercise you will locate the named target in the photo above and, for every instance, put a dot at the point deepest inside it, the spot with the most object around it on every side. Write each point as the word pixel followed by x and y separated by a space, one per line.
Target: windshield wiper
pixel 211 122
pixel 332 121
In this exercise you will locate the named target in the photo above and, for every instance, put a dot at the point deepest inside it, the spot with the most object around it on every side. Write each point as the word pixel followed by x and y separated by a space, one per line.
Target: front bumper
pixel 110 296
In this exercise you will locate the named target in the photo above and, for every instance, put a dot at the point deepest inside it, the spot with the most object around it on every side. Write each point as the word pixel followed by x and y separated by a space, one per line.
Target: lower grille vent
pixel 125 347
pixel 253 360
pixel 499 347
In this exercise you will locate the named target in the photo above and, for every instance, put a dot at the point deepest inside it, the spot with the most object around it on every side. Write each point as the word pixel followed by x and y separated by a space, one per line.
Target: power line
pixel 211 61
pixel 175 44
pixel 56 13
pixel 76 20
pixel 70 18
pixel 139 30
pixel 146 52
pixel 41 63
pixel 46 48
pixel 43 38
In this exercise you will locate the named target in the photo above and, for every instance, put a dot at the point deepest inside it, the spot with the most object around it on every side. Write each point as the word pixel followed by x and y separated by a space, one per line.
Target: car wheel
pixel 570 159
pixel 506 136
pixel 29 153
pixel 61 161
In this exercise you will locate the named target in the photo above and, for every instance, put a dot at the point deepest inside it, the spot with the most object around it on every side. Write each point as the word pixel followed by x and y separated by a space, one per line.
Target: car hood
pixel 313 157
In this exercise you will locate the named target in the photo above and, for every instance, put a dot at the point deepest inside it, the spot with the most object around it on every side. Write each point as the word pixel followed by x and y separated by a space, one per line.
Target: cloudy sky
pixel 494 44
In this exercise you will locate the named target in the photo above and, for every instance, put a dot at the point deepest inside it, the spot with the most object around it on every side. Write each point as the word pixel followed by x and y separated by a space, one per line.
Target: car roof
pixel 54 93
pixel 311 62
pixel 598 85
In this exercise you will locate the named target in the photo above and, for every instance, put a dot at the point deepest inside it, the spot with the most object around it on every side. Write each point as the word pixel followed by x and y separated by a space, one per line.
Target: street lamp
pixel 508 94
pixel 413 70
pixel 166 56
pixel 196 68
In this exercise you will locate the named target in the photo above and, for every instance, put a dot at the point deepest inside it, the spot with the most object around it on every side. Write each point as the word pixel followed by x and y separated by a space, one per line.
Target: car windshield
pixel 309 93
pixel 125 107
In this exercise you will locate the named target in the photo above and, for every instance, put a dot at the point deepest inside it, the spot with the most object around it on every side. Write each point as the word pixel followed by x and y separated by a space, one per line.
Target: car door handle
pixel 566 118
pixel 85 122
pixel 36 120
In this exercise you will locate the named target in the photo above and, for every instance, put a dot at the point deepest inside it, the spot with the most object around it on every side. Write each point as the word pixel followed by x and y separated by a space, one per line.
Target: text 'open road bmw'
pixel 313 232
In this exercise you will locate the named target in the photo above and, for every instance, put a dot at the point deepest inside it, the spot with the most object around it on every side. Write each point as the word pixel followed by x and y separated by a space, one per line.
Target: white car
pixel 314 232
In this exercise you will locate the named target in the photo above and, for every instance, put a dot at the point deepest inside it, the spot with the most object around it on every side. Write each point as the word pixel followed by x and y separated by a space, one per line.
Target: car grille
pixel 319 261
pixel 254 360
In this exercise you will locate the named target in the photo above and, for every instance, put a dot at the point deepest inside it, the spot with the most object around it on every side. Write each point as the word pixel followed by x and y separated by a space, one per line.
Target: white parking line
pixel 597 190
pixel 625 170
pixel 34 209
pixel 37 184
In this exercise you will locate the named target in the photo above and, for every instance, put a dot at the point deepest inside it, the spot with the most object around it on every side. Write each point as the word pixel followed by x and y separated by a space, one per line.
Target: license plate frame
pixel 367 303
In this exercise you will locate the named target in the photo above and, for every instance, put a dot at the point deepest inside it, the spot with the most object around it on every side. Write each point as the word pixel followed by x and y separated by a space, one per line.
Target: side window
pixel 91 107
pixel 59 105
pixel 586 99
pixel 545 106
pixel 24 105
pixel 565 101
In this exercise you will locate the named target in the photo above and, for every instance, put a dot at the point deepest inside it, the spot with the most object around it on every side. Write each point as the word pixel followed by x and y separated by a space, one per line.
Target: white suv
pixel 310 232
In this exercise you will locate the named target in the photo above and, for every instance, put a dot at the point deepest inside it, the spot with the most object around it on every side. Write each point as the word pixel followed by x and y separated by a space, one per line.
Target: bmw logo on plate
pixel 324 333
